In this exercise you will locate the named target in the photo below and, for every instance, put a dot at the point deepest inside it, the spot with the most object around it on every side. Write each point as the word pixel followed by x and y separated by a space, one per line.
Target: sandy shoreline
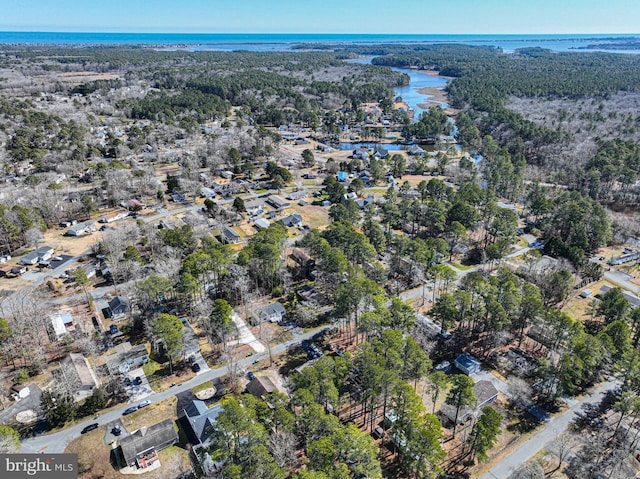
pixel 436 94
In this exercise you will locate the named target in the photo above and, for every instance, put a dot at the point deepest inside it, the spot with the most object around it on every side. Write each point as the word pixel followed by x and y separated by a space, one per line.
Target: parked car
pixel 90 427
pixel 113 329
pixel 116 430
pixel 137 381
pixel 130 410
pixel 127 381
pixel 195 367
pixel 144 403
pixel 192 360
pixel 57 258
pixel 251 375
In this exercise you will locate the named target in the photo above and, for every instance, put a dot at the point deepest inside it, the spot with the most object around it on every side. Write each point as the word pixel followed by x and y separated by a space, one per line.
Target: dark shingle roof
pixel 158 436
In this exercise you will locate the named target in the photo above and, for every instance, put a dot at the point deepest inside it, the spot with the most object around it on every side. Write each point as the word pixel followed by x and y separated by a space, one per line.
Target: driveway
pixel 245 336
pixel 109 437
pixel 31 402
pixel 140 391
pixel 484 375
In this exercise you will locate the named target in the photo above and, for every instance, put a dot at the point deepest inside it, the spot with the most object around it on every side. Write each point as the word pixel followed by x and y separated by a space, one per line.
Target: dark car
pixel 192 360
pixel 127 381
pixel 251 375
pixel 130 410
pixel 195 367
pixel 137 381
pixel 90 427
pixel 113 329
pixel 116 430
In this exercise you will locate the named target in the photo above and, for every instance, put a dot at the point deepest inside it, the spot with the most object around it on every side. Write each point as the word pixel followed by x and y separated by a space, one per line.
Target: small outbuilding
pixel 467 364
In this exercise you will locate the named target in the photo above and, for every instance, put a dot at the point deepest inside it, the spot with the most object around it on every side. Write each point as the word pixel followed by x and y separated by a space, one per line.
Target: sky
pixel 323 16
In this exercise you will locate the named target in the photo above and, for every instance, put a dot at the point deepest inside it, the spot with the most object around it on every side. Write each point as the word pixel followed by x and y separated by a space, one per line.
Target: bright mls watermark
pixel 36 466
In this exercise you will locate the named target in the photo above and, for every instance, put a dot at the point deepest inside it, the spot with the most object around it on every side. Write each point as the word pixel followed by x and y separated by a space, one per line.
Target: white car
pixel 57 258
pixel 144 403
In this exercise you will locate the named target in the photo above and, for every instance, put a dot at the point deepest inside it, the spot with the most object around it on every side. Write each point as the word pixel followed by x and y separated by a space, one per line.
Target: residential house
pixel 76 372
pixel 633 300
pixel 254 207
pixel 115 216
pixel 127 357
pixel 133 205
pixel 309 293
pixel 380 152
pixel 363 202
pixel 297 195
pixel 303 258
pixel 16 270
pixel 260 386
pixel 467 364
pixel 84 228
pixel 485 393
pixel 117 309
pixel 44 253
pixel 415 150
pixel 360 154
pixel 625 258
pixel 62 324
pixel 273 313
pixel 261 223
pixel 292 220
pixel 197 419
pixel 140 449
pixel 350 196
pixel 278 202
pixel 230 236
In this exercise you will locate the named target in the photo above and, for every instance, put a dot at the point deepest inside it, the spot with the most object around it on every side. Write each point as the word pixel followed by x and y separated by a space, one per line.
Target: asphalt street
pixel 57 442
pixel 545 436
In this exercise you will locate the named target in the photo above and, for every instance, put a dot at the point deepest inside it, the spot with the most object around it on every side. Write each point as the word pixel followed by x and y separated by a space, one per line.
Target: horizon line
pixel 309 33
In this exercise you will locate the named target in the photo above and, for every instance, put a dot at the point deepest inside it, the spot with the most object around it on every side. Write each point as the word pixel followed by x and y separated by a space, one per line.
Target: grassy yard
pixel 96 459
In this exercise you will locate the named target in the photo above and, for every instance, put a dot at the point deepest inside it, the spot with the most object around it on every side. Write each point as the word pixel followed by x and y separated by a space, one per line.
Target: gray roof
pixel 118 305
pixel 201 417
pixel 158 436
pixel 230 234
pixel 270 310
pixel 292 220
pixel 467 361
pixel 125 353
pixel 277 201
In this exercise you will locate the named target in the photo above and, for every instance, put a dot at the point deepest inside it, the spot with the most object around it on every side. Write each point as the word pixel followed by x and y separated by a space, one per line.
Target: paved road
pixel 460 273
pixel 554 427
pixel 57 443
pixel 14 301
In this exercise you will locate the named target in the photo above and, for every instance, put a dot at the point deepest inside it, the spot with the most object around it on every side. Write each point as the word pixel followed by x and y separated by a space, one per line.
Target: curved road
pixel 57 442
